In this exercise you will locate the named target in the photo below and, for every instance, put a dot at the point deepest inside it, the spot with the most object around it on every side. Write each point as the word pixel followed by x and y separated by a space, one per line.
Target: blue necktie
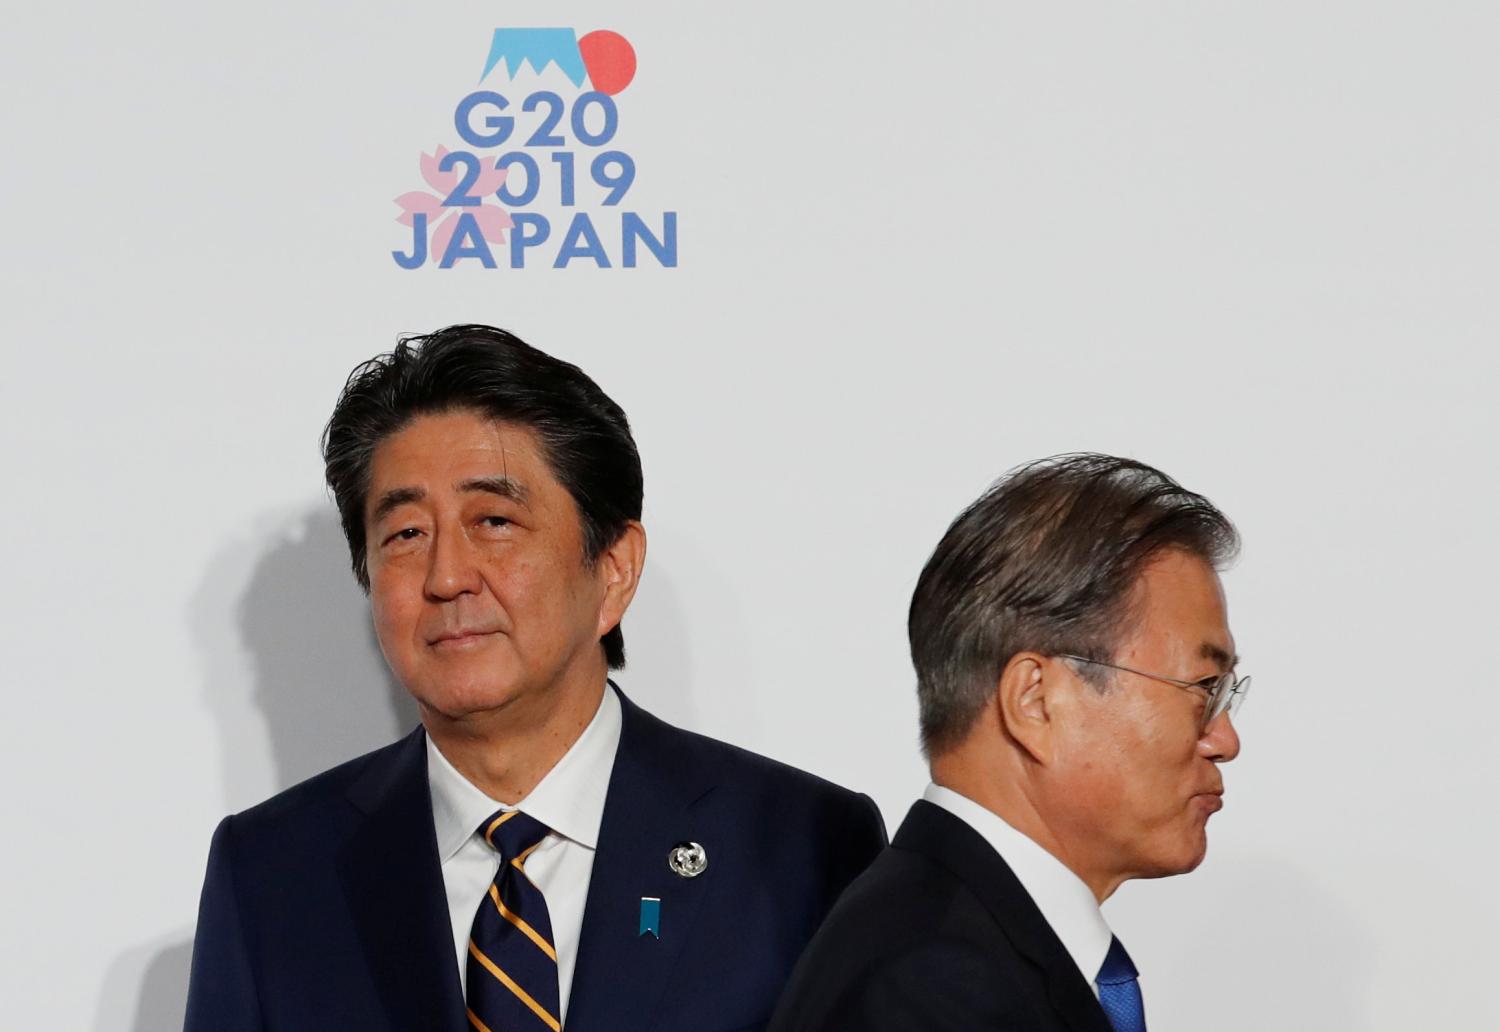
pixel 512 968
pixel 1119 992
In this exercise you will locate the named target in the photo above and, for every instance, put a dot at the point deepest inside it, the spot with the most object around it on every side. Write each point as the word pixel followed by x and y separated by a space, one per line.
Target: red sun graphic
pixel 609 58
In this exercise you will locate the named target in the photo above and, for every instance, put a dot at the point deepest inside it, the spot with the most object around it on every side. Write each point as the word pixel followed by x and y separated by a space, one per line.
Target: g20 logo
pixel 526 155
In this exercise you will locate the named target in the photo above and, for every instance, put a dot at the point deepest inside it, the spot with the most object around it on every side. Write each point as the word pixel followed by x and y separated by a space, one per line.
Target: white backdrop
pixel 1252 243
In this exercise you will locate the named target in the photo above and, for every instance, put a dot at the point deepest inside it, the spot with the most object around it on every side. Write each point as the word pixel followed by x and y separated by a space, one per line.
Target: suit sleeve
pixel 940 987
pixel 860 841
pixel 222 993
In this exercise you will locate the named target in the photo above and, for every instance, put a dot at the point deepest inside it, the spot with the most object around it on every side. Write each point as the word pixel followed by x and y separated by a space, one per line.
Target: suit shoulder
pixel 749 770
pixel 906 946
pixel 907 891
pixel 319 793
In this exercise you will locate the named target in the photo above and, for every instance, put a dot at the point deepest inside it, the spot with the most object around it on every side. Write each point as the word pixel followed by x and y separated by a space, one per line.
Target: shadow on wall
pixel 320 681
pixel 296 683
pixel 155 978
pixel 295 678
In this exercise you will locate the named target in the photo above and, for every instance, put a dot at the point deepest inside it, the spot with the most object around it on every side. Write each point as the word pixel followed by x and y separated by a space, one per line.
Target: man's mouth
pixel 462 636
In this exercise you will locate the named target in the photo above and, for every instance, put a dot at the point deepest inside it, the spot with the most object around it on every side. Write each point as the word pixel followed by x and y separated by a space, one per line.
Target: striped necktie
pixel 1120 992
pixel 512 968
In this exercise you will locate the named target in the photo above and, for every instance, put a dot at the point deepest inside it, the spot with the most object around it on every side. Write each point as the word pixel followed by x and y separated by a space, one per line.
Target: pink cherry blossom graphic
pixel 493 220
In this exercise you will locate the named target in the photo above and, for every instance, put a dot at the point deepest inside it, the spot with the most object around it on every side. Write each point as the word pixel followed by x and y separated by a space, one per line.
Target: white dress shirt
pixel 569 800
pixel 1065 901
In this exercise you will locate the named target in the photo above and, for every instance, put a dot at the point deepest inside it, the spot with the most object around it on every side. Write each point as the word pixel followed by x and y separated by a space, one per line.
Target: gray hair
pixel 1044 561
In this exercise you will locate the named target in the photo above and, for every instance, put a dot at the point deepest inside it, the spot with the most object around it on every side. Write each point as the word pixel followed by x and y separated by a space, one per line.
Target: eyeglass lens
pixel 1229 696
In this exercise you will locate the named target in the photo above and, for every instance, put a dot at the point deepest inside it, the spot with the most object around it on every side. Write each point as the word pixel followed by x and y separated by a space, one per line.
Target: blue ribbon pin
pixel 651 916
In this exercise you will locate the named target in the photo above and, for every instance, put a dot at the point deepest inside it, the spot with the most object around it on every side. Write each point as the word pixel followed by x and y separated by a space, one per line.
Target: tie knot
pixel 1117 967
pixel 512 833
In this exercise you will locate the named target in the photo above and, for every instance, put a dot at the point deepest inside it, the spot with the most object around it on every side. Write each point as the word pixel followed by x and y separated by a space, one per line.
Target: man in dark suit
pixel 1075 681
pixel 541 850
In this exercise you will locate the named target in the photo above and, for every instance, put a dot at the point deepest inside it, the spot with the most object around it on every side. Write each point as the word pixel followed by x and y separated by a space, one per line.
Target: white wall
pixel 1252 243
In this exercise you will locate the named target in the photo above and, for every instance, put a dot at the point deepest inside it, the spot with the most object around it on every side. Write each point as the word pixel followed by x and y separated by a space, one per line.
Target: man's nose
pixel 452 569
pixel 1220 741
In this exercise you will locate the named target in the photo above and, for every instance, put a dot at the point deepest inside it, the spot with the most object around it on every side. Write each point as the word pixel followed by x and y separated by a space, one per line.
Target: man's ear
pixel 1024 704
pixel 619 567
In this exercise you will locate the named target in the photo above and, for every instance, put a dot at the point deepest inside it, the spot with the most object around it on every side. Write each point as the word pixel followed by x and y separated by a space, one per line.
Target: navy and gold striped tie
pixel 512 972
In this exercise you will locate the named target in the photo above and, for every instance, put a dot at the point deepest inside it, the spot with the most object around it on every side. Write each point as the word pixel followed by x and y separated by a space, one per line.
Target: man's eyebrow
pixel 394 499
pixel 502 486
pixel 1226 660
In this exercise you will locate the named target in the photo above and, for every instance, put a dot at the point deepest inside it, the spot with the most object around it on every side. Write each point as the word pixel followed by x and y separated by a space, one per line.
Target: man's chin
pixel 1195 857
pixel 458 704
pixel 1179 861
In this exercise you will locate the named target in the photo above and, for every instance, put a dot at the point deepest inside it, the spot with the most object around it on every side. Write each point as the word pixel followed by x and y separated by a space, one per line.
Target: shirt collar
pixel 1067 904
pixel 569 799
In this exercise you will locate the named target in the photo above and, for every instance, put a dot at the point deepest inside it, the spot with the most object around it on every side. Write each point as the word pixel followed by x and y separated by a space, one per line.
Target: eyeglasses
pixel 1226 692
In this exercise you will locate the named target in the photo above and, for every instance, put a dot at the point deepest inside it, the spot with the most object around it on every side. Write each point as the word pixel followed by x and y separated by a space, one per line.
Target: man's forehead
pixel 443 445
pixel 1177 579
pixel 1180 598
pixel 459 451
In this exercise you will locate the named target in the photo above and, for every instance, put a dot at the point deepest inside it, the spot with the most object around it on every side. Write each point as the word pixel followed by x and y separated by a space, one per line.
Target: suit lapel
pixel 621 974
pixel 394 884
pixel 951 843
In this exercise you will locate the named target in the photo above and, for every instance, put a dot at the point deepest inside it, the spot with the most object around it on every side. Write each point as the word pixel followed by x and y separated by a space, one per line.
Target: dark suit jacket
pixel 937 935
pixel 323 908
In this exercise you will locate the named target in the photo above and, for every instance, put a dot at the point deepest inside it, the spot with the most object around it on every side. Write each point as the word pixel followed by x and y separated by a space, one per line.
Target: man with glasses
pixel 1075 677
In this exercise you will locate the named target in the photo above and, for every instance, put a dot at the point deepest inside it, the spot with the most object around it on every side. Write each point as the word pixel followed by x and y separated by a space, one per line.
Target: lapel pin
pixel 688 859
pixel 651 916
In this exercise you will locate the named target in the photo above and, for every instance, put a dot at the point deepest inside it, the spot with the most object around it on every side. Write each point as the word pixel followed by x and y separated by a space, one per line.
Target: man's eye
pixel 494 521
pixel 404 534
